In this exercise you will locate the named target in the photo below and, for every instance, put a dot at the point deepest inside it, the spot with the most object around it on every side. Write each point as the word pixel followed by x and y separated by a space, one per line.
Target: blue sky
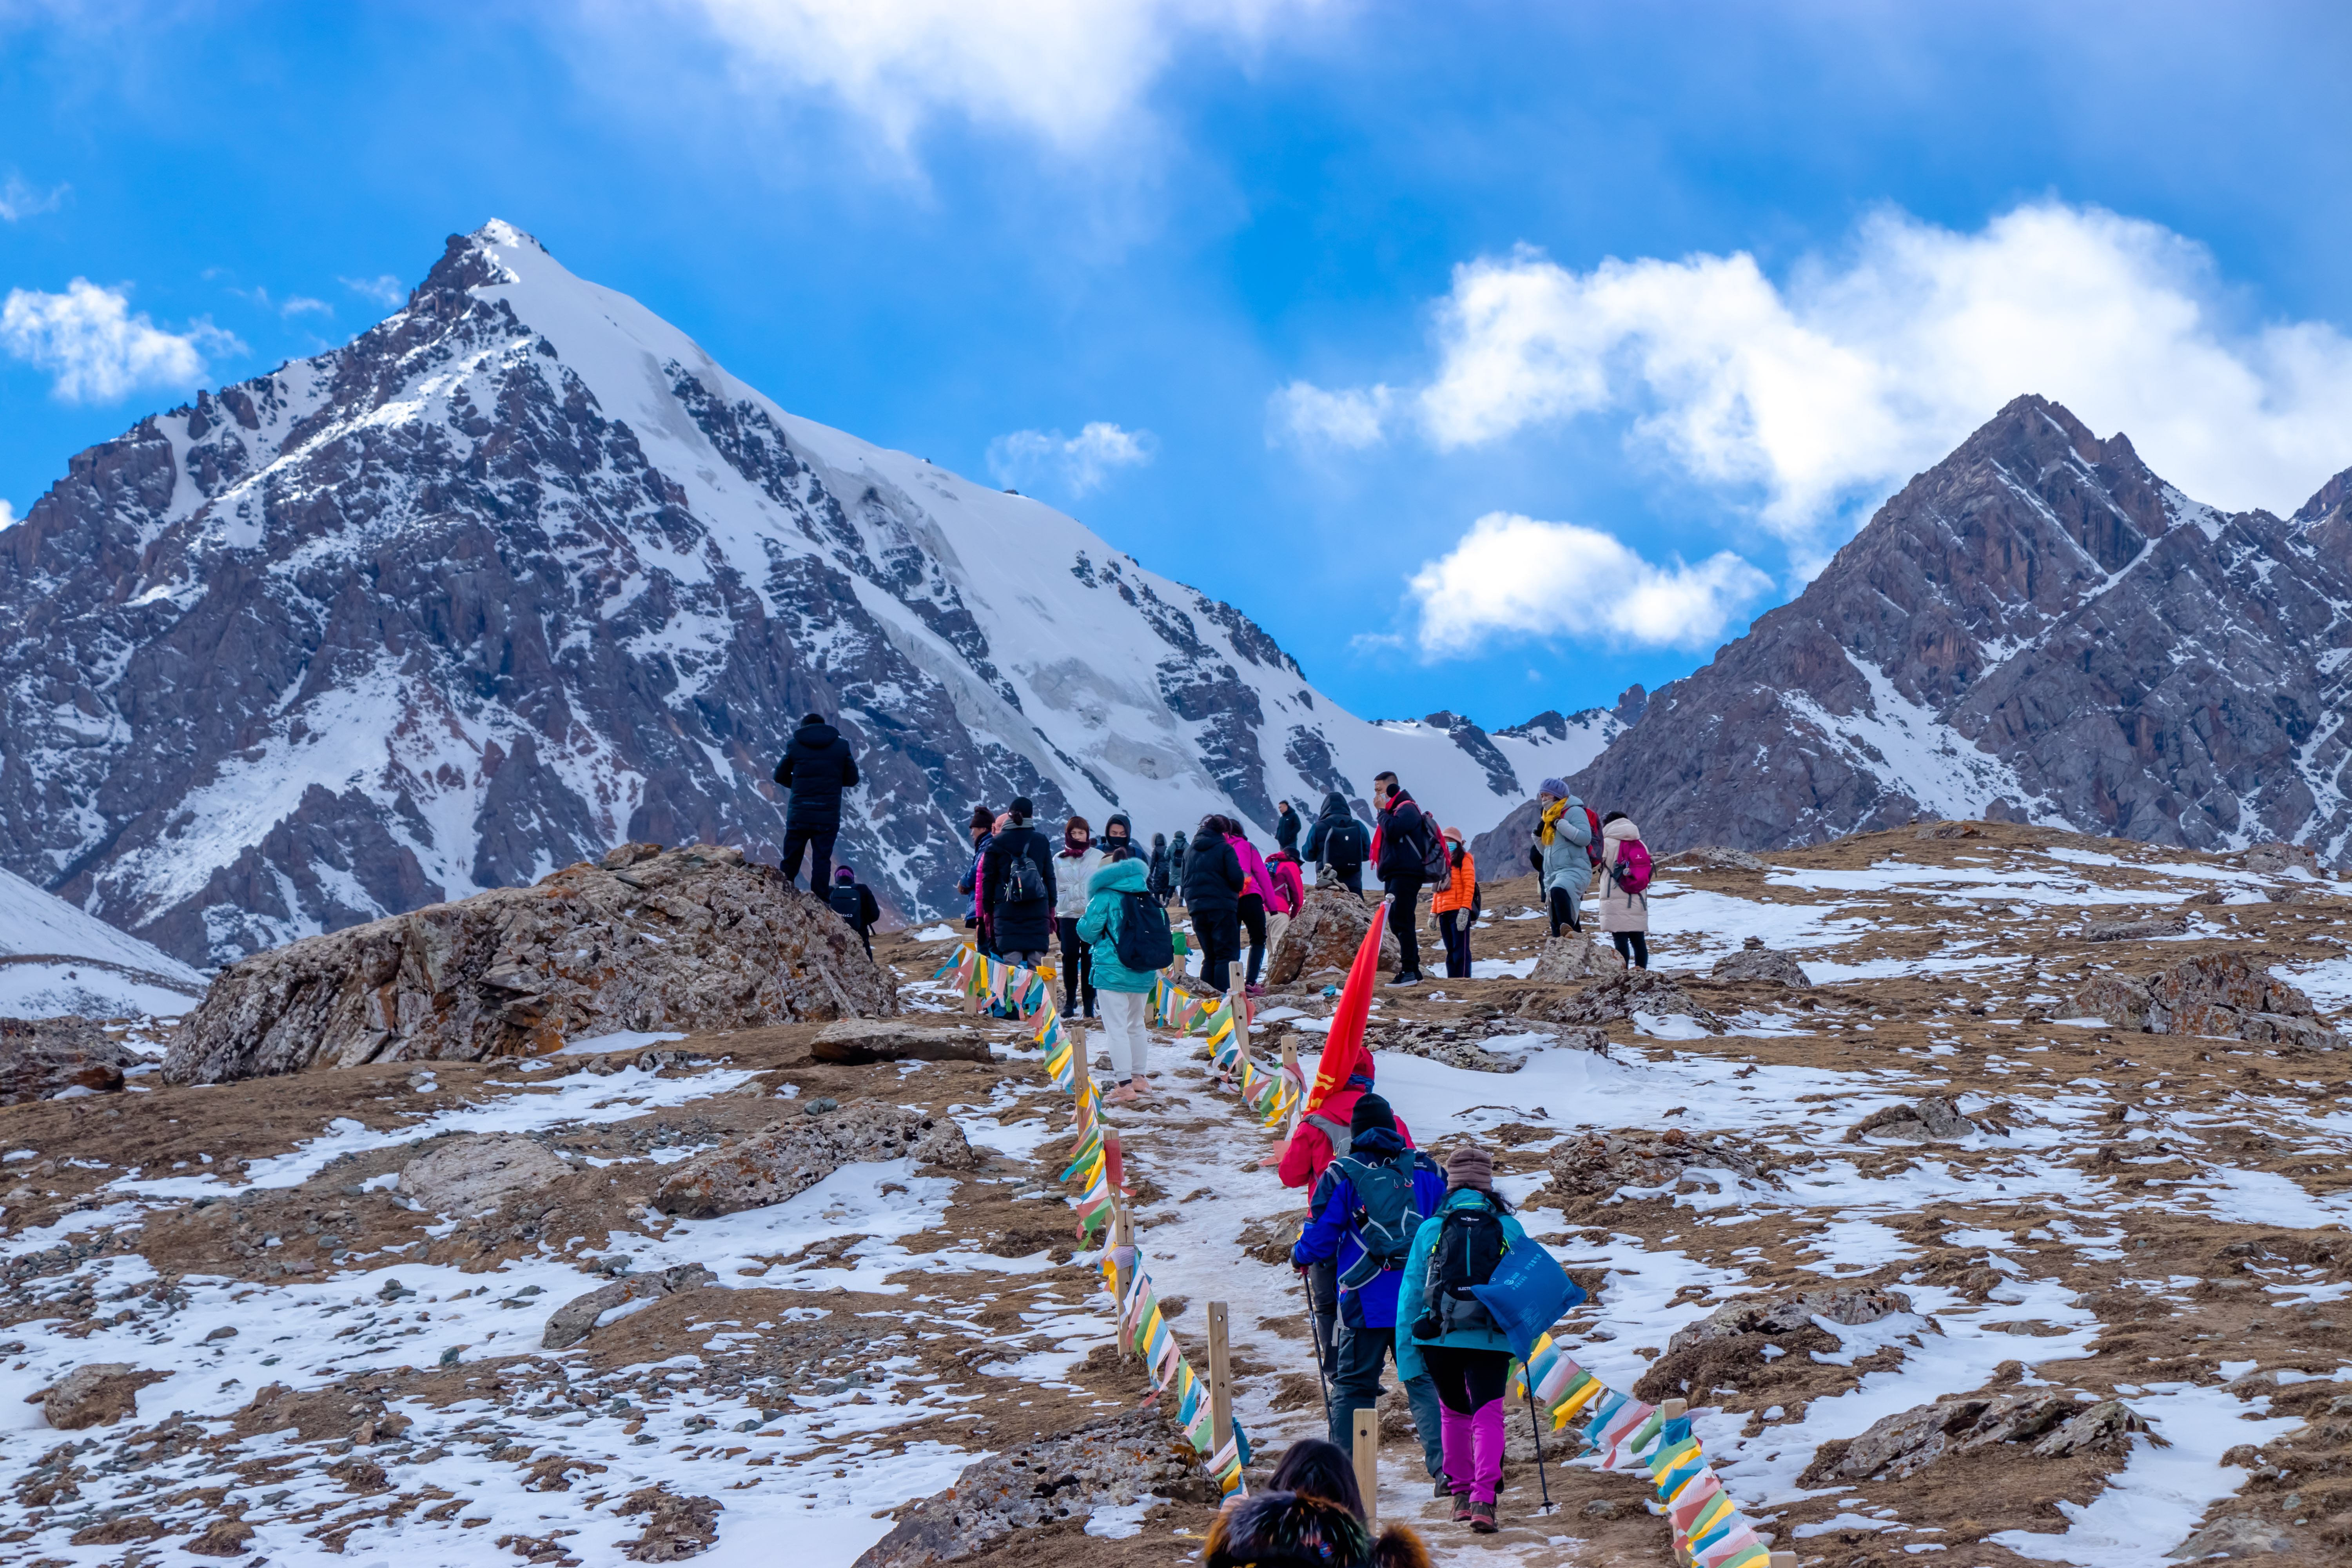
pixel 1492 356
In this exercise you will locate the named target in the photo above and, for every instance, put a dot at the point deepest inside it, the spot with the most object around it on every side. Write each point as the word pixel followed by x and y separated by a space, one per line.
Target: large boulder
pixel 2212 994
pixel 2056 1424
pixel 783 1161
pixel 1930 1119
pixel 689 939
pixel 478 1171
pixel 97 1395
pixel 1572 958
pixel 1714 858
pixel 1600 1164
pixel 572 1322
pixel 41 1058
pixel 1754 960
pixel 1324 935
pixel 1621 996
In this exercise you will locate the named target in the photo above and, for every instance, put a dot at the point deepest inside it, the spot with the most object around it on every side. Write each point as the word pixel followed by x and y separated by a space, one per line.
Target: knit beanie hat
pixel 1370 1111
pixel 1470 1166
pixel 1556 788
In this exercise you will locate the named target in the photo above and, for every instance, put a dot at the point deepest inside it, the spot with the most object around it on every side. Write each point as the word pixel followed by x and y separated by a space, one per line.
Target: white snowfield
pixel 54 959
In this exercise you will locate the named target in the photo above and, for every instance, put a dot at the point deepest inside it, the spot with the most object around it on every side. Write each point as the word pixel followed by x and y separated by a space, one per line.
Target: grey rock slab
pixel 573 1320
pixel 855 1042
pixel 478 1171
pixel 772 1166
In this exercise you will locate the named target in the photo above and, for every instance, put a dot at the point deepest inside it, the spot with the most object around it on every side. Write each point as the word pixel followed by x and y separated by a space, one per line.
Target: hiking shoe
pixel 1461 1506
pixel 1446 1489
pixel 1481 1516
pixel 1410 977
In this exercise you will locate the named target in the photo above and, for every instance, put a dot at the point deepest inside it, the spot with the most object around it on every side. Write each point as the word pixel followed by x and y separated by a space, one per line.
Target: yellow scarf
pixel 1551 821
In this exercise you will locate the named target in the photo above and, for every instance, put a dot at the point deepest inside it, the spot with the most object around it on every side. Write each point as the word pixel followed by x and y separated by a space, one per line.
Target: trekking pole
pixel 1314 1329
pixel 1535 1421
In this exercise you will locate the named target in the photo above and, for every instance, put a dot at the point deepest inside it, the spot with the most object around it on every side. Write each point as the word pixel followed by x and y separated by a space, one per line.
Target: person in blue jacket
pixel 1445 1334
pixel 1359 1233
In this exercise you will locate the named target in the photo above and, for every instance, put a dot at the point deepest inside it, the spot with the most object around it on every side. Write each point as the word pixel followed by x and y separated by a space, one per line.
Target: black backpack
pixel 1024 882
pixel 1143 940
pixel 1469 1245
pixel 843 899
pixel 1388 1219
pixel 1347 843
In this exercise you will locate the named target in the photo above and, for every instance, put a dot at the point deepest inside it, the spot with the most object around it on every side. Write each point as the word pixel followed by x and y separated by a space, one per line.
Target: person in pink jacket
pixel 1258 900
pixel 1289 895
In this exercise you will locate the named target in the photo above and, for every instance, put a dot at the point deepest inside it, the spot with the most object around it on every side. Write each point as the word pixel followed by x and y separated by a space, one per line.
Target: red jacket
pixel 1310 1148
pixel 1289 884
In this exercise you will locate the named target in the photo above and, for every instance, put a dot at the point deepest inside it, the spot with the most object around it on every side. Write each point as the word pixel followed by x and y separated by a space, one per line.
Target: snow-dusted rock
pixel 1324 935
pixel 97 1395
pixel 2212 994
pixel 2055 1423
pixel 785 1160
pixel 1754 960
pixel 478 1171
pixel 43 1057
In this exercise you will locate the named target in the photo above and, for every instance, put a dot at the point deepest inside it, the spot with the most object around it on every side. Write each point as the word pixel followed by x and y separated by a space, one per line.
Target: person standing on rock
pixel 1289 891
pixel 1179 849
pixel 817 767
pixel 1161 880
pixel 1368 1206
pixel 853 901
pixel 1626 888
pixel 1286 828
pixel 1562 854
pixel 1448 1334
pixel 1117 892
pixel 1456 905
pixel 1338 845
pixel 1402 851
pixel 983 828
pixel 1213 885
pixel 1018 873
pixel 1257 901
pixel 1073 867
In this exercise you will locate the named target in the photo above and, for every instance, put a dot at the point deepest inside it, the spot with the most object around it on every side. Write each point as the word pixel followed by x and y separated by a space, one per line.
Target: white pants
pixel 1130 1042
pixel 1275 924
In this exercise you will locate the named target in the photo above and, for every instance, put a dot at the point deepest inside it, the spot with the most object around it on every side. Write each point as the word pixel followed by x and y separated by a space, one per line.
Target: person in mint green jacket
pixel 1123 995
pixel 1452 1337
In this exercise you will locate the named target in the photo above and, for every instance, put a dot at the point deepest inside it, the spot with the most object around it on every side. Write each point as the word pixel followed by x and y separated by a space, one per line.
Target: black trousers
pixel 1221 944
pixel 819 842
pixel 1633 947
pixel 1077 968
pixel 1253 919
pixel 1404 920
pixel 1454 925
pixel 1467 1381
pixel 1563 911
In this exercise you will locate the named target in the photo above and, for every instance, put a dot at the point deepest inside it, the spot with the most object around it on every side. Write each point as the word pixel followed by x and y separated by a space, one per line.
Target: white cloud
pixel 385 290
pixel 1309 414
pixel 290 307
pixel 1513 574
pixel 8 518
pixel 1066 70
pixel 1075 464
pixel 98 349
pixel 19 200
pixel 1835 385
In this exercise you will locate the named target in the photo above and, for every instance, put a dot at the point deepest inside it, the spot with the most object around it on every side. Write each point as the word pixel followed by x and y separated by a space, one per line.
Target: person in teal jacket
pixel 1123 995
pixel 1451 1337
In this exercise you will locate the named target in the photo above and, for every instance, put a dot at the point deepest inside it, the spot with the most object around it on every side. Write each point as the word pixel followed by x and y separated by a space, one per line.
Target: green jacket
pixel 1098 927
pixel 1411 1289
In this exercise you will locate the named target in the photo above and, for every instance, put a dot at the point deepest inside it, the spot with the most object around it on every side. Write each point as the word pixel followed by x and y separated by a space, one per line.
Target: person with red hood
pixel 1321 1136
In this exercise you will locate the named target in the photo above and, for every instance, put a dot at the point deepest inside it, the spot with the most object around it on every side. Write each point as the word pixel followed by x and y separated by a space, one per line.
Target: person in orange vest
pixel 1457 906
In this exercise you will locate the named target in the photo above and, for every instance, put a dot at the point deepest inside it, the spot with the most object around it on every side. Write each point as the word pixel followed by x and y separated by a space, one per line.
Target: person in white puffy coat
pixel 1624 916
pixel 1074 866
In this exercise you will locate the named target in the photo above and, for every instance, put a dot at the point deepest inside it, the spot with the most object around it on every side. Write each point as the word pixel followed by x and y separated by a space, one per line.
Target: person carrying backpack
pixel 1625 870
pixel 1290 895
pixel 1367 1208
pixel 1407 853
pixel 1078 860
pixel 1257 902
pixel 1017 873
pixel 1451 1337
pixel 853 901
pixel 1457 905
pixel 1338 845
pixel 817 767
pixel 1127 931
pixel 1160 879
pixel 1213 885
pixel 1179 847
pixel 1563 855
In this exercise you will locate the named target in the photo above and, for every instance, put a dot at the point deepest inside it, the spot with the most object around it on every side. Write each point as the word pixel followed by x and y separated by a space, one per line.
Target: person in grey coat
pixel 1562 854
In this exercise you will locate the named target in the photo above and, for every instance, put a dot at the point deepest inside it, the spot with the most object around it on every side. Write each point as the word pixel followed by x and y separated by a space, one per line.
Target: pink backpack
pixel 1634 867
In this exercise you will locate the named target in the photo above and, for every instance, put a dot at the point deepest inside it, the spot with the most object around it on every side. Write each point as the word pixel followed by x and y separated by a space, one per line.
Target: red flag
pixel 1343 1048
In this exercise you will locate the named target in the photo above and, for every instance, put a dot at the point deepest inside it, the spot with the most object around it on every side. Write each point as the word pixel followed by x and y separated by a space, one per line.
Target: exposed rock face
pixel 855 1042
pixel 1108 1462
pixel 681 939
pixel 478 1171
pixel 573 1320
pixel 783 1160
pixel 519 572
pixel 2135 931
pixel 2215 993
pixel 1741 1341
pixel 1754 960
pixel 2056 1424
pixel 2036 629
pixel 1601 1164
pixel 1932 1120
pixel 1573 957
pixel 95 1395
pixel 1621 996
pixel 1324 935
pixel 1714 858
pixel 1850 1306
pixel 43 1057
pixel 676 1527
pixel 2276 859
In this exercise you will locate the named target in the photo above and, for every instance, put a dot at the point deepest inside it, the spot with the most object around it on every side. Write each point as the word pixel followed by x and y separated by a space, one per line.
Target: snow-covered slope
pixel 522 572
pixel 54 959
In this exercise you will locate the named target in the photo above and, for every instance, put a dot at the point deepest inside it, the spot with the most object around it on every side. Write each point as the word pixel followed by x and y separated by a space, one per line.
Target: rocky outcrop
pixel 858 1042
pixel 98 1395
pixel 1754 960
pixel 785 1160
pixel 1737 1342
pixel 1113 1461
pixel 41 1058
pixel 1713 858
pixel 2212 994
pixel 1621 995
pixel 646 938
pixel 1930 1119
pixel 1600 1165
pixel 2134 930
pixel 478 1171
pixel 2055 1424
pixel 675 1527
pixel 1573 957
pixel 1325 935
pixel 2037 628
pixel 576 1318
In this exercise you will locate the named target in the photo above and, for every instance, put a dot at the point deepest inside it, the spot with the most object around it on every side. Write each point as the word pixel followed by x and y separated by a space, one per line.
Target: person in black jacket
pixel 1404 851
pixel 1178 848
pixel 1156 876
pixel 817 767
pixel 1023 928
pixel 1214 881
pixel 1286 828
pixel 1332 845
pixel 853 901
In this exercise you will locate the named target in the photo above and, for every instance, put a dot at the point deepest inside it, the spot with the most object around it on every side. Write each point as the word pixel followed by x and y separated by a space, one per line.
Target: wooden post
pixel 1674 1409
pixel 1220 1382
pixel 1368 1463
pixel 1783 1559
